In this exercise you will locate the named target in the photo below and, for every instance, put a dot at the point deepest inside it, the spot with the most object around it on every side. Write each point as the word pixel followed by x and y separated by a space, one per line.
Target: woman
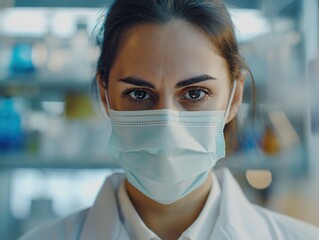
pixel 170 78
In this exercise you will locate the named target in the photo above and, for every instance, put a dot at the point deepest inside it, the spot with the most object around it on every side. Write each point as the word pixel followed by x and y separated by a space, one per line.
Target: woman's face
pixel 169 66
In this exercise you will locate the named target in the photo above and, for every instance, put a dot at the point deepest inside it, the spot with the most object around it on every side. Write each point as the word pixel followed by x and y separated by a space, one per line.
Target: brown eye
pixel 139 95
pixel 194 94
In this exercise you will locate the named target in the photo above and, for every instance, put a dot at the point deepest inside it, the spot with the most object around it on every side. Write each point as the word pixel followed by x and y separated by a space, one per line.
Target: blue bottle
pixel 11 134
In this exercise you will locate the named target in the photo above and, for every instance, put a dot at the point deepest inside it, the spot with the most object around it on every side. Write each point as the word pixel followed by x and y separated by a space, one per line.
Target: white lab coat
pixel 238 218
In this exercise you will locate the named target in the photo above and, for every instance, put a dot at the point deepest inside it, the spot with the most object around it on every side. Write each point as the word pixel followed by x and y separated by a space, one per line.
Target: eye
pixel 139 95
pixel 195 94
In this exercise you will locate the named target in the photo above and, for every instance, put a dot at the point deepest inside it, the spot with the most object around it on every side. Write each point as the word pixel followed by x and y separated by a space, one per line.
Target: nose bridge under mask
pixel 165 139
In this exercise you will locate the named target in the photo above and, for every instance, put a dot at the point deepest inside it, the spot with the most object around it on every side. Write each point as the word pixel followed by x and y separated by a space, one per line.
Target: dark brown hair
pixel 209 15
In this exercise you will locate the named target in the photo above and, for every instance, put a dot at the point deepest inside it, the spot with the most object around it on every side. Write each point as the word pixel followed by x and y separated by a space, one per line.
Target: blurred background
pixel 53 133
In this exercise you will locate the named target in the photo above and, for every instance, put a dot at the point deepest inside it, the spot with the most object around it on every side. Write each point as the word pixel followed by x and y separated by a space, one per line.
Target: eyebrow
pixel 142 83
pixel 137 82
pixel 194 80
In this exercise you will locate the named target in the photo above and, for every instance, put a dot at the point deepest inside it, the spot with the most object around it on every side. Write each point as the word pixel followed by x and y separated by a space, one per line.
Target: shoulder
pixel 287 227
pixel 67 228
pixel 71 227
pixel 244 220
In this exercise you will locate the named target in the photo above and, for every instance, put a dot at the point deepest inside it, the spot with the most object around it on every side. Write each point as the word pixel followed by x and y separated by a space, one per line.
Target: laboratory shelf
pixel 54 163
pixel 291 161
pixel 32 87
pixel 238 162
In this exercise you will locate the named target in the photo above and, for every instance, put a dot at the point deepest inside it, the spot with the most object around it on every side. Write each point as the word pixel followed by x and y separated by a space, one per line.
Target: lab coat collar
pixel 103 222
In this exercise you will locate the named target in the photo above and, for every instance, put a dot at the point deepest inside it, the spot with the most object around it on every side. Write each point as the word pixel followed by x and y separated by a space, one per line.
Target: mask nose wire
pixel 230 100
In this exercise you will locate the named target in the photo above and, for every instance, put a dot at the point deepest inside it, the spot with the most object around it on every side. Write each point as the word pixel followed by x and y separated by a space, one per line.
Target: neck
pixel 169 221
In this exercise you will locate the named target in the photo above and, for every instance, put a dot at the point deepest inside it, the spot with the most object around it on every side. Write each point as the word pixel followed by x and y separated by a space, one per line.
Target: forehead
pixel 175 49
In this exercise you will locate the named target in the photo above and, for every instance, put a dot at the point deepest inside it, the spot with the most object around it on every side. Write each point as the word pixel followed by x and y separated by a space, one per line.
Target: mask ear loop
pixel 230 101
pixel 107 101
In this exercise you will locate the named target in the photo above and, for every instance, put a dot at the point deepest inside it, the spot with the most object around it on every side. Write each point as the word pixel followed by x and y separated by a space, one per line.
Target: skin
pixel 162 57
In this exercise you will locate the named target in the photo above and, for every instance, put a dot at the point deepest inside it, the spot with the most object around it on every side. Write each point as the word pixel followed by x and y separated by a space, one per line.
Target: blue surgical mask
pixel 167 154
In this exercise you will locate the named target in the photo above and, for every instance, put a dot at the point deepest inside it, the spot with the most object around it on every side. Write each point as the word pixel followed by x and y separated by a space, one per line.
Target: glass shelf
pixel 37 162
pixel 29 88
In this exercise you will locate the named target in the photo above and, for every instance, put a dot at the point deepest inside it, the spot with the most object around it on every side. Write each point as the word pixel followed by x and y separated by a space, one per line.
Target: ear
pixel 238 96
pixel 102 91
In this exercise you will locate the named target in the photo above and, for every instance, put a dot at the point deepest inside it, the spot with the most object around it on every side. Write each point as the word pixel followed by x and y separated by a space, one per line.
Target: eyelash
pixel 208 93
pixel 126 93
